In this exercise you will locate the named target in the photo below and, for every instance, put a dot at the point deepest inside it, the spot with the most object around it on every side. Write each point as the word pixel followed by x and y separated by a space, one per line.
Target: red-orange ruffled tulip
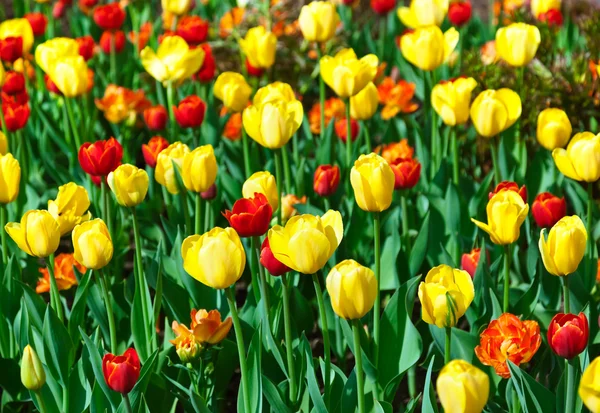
pixel 268 260
pixel 510 186
pixel 152 149
pixel 38 22
pixel 121 372
pixel 101 157
pixel 548 209
pixel 118 37
pixel 193 29
pixel 11 49
pixel 568 334
pixel 326 180
pixel 250 217
pixel 109 16
pixel 190 112
pixel 407 172
pixel 393 151
pixel 459 13
pixel 156 117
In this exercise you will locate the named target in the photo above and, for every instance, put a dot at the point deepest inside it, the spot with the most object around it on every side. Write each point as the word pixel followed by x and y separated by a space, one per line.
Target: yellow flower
pixel 352 289
pixel 259 47
pixel 274 123
pixel 173 61
pixel 445 295
pixel 177 7
pixel 70 75
pixel 233 90
pixel 517 43
pixel 307 242
pixel 129 184
pixel 553 128
pixel 70 206
pixel 263 183
pixel 422 13
pixel 364 104
pixel 506 211
pixel 373 180
pixel 318 21
pixel 451 100
pixel 53 50
pixel 274 92
pixel 2 75
pixel 494 111
pixel 589 386
pixel 216 258
pixel 10 178
pixel 462 388
pixel 539 7
pixel 346 74
pixel 427 47
pixel 564 249
pixel 172 156
pixel 199 169
pixel 33 375
pixel 37 234
pixel 581 160
pixel 18 28
pixel 92 244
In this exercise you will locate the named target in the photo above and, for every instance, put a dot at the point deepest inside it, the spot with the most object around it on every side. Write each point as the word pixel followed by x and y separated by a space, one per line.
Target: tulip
pixel 156 117
pixel 231 88
pixel 564 249
pixel 63 273
pixel 177 7
pixel 318 21
pixel 86 47
pixel 470 261
pixel 205 329
pixel 423 13
pixel 262 183
pixel 122 372
pixel 2 75
pixel 174 61
pixel 326 180
pixel 199 170
pixel 275 267
pixel 589 386
pixel 38 233
pixel 273 93
pixel 109 16
pixel 155 146
pixel 165 172
pixel 553 128
pixel 393 151
pixel 10 178
pixel 373 182
pixel 553 18
pixel 3 145
pixel 540 7
pixel 352 289
pixel 547 209
pixel 288 206
pixel 462 388
pixel 129 184
pixel 33 375
pixel 70 208
pixel 407 172
pixel 250 217
pixel 451 100
pixel 383 7
pixel 506 211
pixel 427 47
pixel 581 160
pixel 307 242
pixel 346 74
pixel 38 22
pixel 259 47
pixel 568 334
pixel 18 28
pixel 208 68
pixel 210 193
pixel 517 43
pixel 53 50
pixel 341 129
pixel 510 186
pixel 364 104
pixel 273 124
pixel 70 75
pixel 101 157
pixel 494 111
pixel 187 348
pixel 112 39
pixel 14 83
pixel 216 258
pixel 192 29
pixel 190 112
pixel 92 244
pixel 15 116
pixel 459 13
pixel 11 49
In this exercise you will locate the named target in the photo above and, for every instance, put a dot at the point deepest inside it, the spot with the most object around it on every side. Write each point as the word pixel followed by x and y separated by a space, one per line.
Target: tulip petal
pixel 564 164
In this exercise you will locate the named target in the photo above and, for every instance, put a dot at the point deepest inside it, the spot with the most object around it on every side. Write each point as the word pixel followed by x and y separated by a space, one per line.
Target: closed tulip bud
pixel 33 375
pixel 16 116
pixel 259 47
pixel 156 117
pixel 274 123
pixel 3 144
pixel 307 242
pixel 423 13
pixel 10 178
pixel 14 83
pixel 539 7
pixel 352 289
pixel 11 49
pixel 70 208
pixel 553 18
pixel 451 100
pixel 101 157
pixel 112 39
pixel 510 186
pixel 38 22
pixel 459 13
pixel 250 217
pixel 318 21
pixel 445 295
pixel 70 75
pixel 174 60
pixel 341 129
pixel 589 386
pixel 190 112
pixel 346 74
pixel 364 104
pixel 547 209
pixel 92 244
pixel 553 128
pixel 494 111
pixel 233 90
pixel 373 182
pixel 564 249
pixel 53 50
pixel 155 146
pixel 427 47
pixel 210 193
pixel 407 172
pixel 129 184
pixel 199 170
pixel 86 47
pixel 462 388
pixel 568 334
pixel 383 7
pixel 262 183
pixel 193 29
pixel 216 258
pixel 18 28
pixel 273 93
pixel 506 212
pixel 470 261
pixel 38 233
pixel 168 159
pixel 122 372
pixel 209 66
pixel 581 160
pixel 177 7
pixel 268 260
pixel 109 16
pixel 517 43
pixel 326 180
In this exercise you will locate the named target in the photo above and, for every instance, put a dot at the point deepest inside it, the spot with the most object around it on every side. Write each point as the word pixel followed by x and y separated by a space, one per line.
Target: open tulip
pixel 364 104
pixel 101 157
pixel 268 260
pixel 427 47
pixel 250 217
pixel 262 183
pixel 129 184
pixel 352 289
pixel 373 182
pixel 589 386
pixel 19 27
pixel 565 247
pixel 259 47
pixel 581 160
pixel 190 112
pixel 174 60
pixel 53 50
pixel 506 211
pixel 423 13
pixel 10 179
pixel 33 375
pixel 153 148
pixel 199 170
pixel 462 388
pixel 326 180
pixel 38 233
pixel 553 128
pixel 177 7
pixel 547 209
pixel 70 208
pixel 64 274
pixel 451 100
pixel 517 43
pixel 122 372
pixel 568 334
pixel 494 111
pixel 92 244
pixel 70 75
pixel 318 21
pixel 407 172
pixel 164 173
pixel 233 90
pixel 346 74
pixel 274 123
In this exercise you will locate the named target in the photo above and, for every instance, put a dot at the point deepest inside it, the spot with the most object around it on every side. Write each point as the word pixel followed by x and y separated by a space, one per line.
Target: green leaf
pixel 79 306
pixel 389 255
pixel 141 333
pixel 311 378
pixel 429 403
pixel 135 396
pixel 58 346
pixel 420 248
pixel 273 396
pixel 533 396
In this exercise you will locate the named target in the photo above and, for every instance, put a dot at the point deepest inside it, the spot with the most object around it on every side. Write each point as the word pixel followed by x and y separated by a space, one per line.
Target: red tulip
pixel 51 86
pixel 407 172
pixel 88 3
pixel 193 29
pixel 510 186
pixel 190 112
pixel 15 115
pixel 268 260
pixel 153 148
pixel 341 129
pixel 552 17
pixel 210 193
pixel 11 49
pixel 470 261
pixel 121 373
pixel 568 334
pixel 207 71
pixel 109 16
pixel 326 180
pixel 547 209
pixel 38 22
pixel 14 83
pixel 86 47
pixel 156 117
pixel 383 6
pixel 118 37
pixel 58 10
pixel 253 71
pixel 250 217
pixel 101 157
pixel 459 13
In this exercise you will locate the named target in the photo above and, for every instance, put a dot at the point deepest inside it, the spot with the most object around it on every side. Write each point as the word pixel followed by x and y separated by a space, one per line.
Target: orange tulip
pixel 63 271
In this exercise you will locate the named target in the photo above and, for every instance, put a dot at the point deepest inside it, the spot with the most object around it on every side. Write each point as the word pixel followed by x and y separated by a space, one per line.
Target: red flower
pixel 568 334
pixel 383 6
pixel 15 115
pixel 101 157
pixel 109 17
pixel 153 148
pixel 470 261
pixel 547 209
pixel 86 47
pixel 11 49
pixel 58 10
pixel 118 37
pixel 268 260
pixel 326 180
pixel 193 29
pixel 38 23
pixel 14 83
pixel 210 193
pixel 253 71
pixel 407 172
pixel 121 372
pixel 190 112
pixel 250 217
pixel 207 71
pixel 341 129
pixel 51 86
pixel 510 186
pixel 156 117
pixel 459 13
pixel 552 17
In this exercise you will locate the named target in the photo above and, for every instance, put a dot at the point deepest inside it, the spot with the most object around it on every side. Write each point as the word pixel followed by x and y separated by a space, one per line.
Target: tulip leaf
pixel 79 306
pixel 311 378
pixel 533 396
pixel 429 404
pixel 274 396
pixel 349 400
pixel 419 250
pixel 35 306
pixel 135 396
pixel 58 346
pixel 463 343
pixel 481 196
pixel 325 145
pixel 389 256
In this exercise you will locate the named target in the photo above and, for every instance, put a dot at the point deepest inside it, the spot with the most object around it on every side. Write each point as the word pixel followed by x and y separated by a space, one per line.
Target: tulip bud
pixel 101 157
pixel 14 83
pixel 553 128
pixel 589 386
pixel 199 170
pixel 517 43
pixel 190 112
pixel 383 7
pixel 407 172
pixel 15 29
pixel 540 7
pixel 10 178
pixel 38 233
pixel 326 180
pixel 462 387
pixel 581 160
pixel 208 68
pixel 341 129
pixel 169 158
pixel 510 186
pixel 193 29
pixel 393 151
pixel 109 16
pixel 547 209
pixel 231 88
pixel 568 334
pixel 553 18
pixel 259 47
pixel 318 21
pixel 506 212
pixel 427 47
pixel 346 74
pixel 70 207
pixel 494 111
pixel 173 61
pixel 11 49
pixel 565 247
pixel 156 117
pixel 155 146
pixel 364 104
pixel 470 261
pixel 262 183
pixel 177 7
pixel 459 13
pixel 250 217
pixel 112 39
pixel 373 182
pixel 86 47
pixel 451 100
pixel 210 193
pixel 422 13
pixel 268 260
pixel 352 289
pixel 38 22
pixel 92 244
pixel 273 123
pixel 33 375
pixel 70 75
pixel 121 373
pixel 129 184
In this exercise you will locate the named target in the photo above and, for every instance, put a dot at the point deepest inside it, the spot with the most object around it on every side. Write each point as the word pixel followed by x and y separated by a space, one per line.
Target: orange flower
pixel 233 127
pixel 63 271
pixel 230 20
pixel 393 151
pixel 142 37
pixel 119 103
pixel 334 109
pixel 593 66
pixel 288 202
pixel 396 97
pixel 488 53
pixel 205 328
pixel 598 272
pixel 508 338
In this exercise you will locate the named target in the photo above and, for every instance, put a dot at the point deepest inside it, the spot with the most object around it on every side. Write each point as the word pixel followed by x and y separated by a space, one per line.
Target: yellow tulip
pixel 10 178
pixel 346 74
pixel 373 180
pixel 423 13
pixel 70 206
pixel 553 128
pixel 462 388
pixel 445 295
pixel 199 169
pixel 70 75
pixel 173 61
pixel 427 47
pixel 494 111
pixel 506 211
pixel 274 92
pixel 517 43
pixel 38 233
pixel 33 375
pixel 166 162
pixel 2 75
pixel 129 184
pixel 539 7
pixel 581 160
pixel 318 21
pixel 216 258
pixel 364 104
pixel 589 386
pixel 262 183
pixel 274 123
pixel 352 289
pixel 18 28
pixel 177 7
pixel 307 242
pixel 564 249
pixel 3 141
pixel 259 47
pixel 92 244
pixel 53 50
pixel 233 90
pixel 451 100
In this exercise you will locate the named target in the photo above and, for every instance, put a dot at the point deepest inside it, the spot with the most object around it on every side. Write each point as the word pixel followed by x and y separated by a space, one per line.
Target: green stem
pixel 3 238
pixel 412 381
pixel 207 217
pixel 520 75
pixel 433 121
pixel 322 100
pixel 571 385
pixel 140 272
pixel 255 278
pixel 566 295
pixel 286 170
pixel 109 311
pixel 405 226
pixel 382 37
pixel 360 380
pixel 348 137
pixel 106 199
pixel 295 149
pixel 455 165
pixel 171 103
pixel 288 337
pixel 65 405
pixel 365 129
pixel 590 209
pixel 447 345
pixel 261 275
pixel 54 294
pixel 40 400
pixel 506 278
pixel 198 215
pixel 186 211
pixel 325 331
pixel 127 403
pixel 377 307
pixel 73 123
pixel 113 59
pixel 246 150
pixel 241 347
pixel 494 150
pixel 278 174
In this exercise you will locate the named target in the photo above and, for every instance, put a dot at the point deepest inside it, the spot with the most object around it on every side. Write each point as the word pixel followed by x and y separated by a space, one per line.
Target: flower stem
pixel 494 149
pixel 278 174
pixel 246 151
pixel 322 100
pixel 590 208
pixel 139 264
pixel 73 123
pixel 454 156
pixel 113 59
pixel 448 345
pixel 286 171
pixel 288 337
pixel 325 331
pixel 261 276
pixel 377 307
pixel 40 400
pixel 365 129
pixel 241 347
pixel 3 239
pixel 360 380
pixel 54 294
pixel 566 294
pixel 382 37
pixel 109 311
pixel 571 385
pixel 198 215
pixel 506 277
pixel 348 137
pixel 170 103
pixel 127 403
pixel 186 212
